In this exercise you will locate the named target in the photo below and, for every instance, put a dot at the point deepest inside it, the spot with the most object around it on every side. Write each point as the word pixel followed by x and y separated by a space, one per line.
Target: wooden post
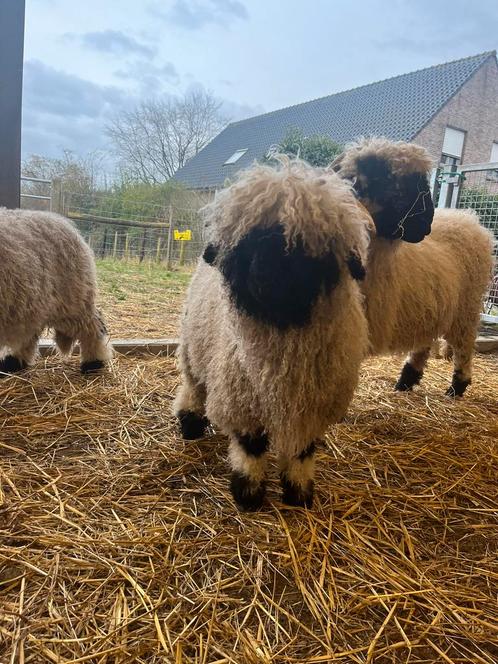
pixel 127 245
pixel 115 247
pixel 170 239
pixel 142 250
pixel 158 249
pixel 104 242
pixel 182 251
pixel 11 60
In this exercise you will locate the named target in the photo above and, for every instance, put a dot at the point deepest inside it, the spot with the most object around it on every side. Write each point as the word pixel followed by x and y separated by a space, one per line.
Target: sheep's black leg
pixel 248 461
pixel 413 370
pixel 463 351
pixel 192 425
pixel 296 476
pixel 11 364
pixel 458 384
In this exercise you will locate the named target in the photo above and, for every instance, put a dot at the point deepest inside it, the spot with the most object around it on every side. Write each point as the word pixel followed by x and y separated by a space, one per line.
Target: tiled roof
pixel 397 107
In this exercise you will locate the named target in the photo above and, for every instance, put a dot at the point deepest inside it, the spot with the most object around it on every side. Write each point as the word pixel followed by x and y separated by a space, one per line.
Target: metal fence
pixel 474 186
pixel 136 230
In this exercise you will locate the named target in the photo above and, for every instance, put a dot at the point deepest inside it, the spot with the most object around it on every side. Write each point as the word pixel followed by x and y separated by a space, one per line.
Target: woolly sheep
pixel 417 291
pixel 265 350
pixel 47 279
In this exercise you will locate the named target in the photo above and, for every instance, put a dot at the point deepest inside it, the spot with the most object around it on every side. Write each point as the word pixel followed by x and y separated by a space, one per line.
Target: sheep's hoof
pixel 296 495
pixel 408 378
pixel 11 364
pixel 458 386
pixel 247 494
pixel 192 425
pixel 91 366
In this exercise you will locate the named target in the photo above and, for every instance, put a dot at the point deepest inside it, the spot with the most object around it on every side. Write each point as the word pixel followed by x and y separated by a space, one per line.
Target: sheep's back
pixel 47 271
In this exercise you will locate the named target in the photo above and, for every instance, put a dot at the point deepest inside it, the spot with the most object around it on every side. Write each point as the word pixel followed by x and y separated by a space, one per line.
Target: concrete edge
pixel 168 347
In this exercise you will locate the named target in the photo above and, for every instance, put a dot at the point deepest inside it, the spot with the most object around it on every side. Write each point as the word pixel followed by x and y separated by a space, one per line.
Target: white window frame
pixel 234 158
pixel 453 143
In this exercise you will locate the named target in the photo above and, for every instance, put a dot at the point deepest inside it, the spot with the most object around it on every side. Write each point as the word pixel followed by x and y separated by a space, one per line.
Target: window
pixel 235 157
pixel 492 176
pixel 453 145
pixel 494 152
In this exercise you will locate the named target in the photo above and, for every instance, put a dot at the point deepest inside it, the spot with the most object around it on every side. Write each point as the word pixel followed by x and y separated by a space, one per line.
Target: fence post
pixel 158 249
pixel 127 245
pixel 142 250
pixel 170 238
pixel 115 248
pixel 104 242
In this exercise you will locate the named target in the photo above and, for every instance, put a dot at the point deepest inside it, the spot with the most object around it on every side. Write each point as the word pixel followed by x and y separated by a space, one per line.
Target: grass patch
pixel 141 299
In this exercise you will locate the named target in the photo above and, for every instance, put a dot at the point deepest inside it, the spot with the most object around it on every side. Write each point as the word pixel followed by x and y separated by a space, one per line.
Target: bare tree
pixel 76 173
pixel 158 137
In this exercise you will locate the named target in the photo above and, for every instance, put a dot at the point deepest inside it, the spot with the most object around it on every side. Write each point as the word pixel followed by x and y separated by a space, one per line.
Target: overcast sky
pixel 85 60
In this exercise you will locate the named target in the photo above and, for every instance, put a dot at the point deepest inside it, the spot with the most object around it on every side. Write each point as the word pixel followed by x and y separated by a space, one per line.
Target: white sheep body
pixel 423 281
pixel 48 279
pixel 416 293
pixel 257 383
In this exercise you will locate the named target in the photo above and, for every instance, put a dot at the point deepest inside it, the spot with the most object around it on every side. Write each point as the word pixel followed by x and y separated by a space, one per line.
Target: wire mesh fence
pixel 136 230
pixel 479 190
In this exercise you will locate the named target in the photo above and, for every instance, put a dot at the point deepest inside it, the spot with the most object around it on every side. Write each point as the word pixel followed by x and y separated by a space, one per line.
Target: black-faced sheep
pixel 417 291
pixel 274 329
pixel 47 279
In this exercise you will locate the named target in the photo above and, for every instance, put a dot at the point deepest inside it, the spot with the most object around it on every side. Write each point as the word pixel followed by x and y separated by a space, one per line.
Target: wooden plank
pixel 11 68
pixel 113 221
pixel 169 346
pixel 126 346
pixel 486 344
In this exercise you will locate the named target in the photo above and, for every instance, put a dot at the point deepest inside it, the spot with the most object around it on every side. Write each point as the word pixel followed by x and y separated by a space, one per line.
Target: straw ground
pixel 119 542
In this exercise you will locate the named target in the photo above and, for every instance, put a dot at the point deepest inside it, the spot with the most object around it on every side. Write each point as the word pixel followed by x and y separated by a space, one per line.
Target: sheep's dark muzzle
pixel 401 206
pixel 275 284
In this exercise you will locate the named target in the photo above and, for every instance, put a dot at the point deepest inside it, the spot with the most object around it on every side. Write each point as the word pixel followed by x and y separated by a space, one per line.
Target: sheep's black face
pixel 401 206
pixel 274 284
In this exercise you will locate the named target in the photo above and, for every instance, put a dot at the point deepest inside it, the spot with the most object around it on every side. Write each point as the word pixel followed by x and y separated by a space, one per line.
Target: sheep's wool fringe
pixel 245 374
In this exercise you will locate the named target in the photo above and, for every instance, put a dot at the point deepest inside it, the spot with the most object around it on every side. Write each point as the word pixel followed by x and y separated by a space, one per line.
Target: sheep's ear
pixel 210 253
pixel 355 266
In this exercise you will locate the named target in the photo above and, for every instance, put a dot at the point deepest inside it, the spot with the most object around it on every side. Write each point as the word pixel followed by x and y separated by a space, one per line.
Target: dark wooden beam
pixel 11 62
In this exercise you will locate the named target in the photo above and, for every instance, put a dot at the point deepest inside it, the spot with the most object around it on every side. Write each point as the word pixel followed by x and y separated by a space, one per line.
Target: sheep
pixel 47 279
pixel 427 272
pixel 266 352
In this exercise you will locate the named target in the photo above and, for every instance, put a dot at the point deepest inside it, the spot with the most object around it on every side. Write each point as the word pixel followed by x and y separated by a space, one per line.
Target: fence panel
pixel 137 231
pixel 478 189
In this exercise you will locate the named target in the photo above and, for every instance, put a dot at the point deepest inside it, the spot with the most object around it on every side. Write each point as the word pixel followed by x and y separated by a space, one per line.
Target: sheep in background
pixel 417 291
pixel 47 279
pixel 274 329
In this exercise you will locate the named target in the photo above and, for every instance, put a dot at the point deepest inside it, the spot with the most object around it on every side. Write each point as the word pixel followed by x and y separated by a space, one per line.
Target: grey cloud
pixel 426 26
pixel 150 78
pixel 64 111
pixel 195 14
pixel 53 91
pixel 114 41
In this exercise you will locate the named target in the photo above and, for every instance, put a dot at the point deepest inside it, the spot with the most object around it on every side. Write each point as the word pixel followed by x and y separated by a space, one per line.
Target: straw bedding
pixel 119 542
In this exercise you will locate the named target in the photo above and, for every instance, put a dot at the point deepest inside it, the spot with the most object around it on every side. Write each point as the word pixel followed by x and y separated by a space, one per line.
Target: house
pixel 451 109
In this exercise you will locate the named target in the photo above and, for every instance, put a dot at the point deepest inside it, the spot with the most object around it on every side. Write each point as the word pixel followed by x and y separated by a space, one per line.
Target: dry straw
pixel 119 542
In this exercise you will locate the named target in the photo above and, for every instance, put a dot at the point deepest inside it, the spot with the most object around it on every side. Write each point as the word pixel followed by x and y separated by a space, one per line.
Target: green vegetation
pixel 317 150
pixel 119 278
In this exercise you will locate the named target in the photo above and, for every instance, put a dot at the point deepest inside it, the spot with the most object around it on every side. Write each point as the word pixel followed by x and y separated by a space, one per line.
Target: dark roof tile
pixel 396 107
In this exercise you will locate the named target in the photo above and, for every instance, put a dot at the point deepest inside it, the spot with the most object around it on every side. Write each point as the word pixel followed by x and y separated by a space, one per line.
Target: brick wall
pixel 473 109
